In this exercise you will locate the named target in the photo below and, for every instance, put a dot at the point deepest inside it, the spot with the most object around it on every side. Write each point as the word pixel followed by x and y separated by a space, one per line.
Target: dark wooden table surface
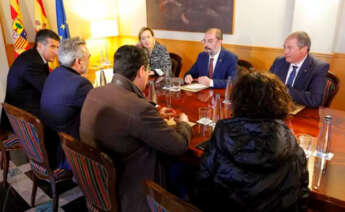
pixel 330 196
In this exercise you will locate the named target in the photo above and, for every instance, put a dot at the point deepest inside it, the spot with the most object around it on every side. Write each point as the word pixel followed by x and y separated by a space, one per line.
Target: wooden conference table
pixel 330 196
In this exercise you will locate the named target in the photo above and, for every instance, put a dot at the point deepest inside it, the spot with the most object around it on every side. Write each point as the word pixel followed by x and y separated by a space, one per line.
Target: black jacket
pixel 252 165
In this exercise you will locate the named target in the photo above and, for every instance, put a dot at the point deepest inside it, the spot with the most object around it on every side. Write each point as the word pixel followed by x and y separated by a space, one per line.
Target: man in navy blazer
pixel 303 74
pixel 215 64
pixel 29 71
pixel 65 89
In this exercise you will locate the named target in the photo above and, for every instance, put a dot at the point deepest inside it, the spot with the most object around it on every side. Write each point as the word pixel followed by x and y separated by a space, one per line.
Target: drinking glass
pixel 175 84
pixel 205 119
pixel 305 142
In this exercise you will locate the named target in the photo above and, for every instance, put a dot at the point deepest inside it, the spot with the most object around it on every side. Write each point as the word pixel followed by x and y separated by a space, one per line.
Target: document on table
pixel 296 109
pixel 194 87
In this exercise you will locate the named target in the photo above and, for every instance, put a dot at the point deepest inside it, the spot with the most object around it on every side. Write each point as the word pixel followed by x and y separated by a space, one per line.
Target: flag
pixel 61 20
pixel 41 20
pixel 19 35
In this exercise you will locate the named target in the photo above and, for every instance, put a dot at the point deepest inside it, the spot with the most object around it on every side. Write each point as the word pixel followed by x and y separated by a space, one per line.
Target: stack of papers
pixel 195 87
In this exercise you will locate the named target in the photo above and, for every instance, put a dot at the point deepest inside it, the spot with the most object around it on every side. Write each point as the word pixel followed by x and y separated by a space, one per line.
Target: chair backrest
pixel 159 199
pixel 331 89
pixel 244 65
pixel 29 129
pixel 176 62
pixel 95 173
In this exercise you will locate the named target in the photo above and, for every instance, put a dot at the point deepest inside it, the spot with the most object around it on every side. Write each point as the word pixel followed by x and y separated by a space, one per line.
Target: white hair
pixel 70 50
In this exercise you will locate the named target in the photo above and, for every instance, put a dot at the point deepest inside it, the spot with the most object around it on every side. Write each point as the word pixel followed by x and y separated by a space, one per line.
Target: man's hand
pixel 183 117
pixel 166 112
pixel 188 79
pixel 205 81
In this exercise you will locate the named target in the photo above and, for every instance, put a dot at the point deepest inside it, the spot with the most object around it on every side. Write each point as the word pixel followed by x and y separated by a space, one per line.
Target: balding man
pixel 303 75
pixel 215 64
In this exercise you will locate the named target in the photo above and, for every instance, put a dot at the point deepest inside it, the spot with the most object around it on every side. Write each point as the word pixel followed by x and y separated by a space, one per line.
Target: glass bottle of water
pixel 217 110
pixel 102 79
pixel 152 97
pixel 321 151
pixel 228 91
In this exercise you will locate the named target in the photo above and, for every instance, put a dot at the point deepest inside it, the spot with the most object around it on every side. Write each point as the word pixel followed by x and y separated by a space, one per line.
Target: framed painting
pixel 190 15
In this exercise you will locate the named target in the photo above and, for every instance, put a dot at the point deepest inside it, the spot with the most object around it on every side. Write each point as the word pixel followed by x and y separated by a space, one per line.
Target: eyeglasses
pixel 208 41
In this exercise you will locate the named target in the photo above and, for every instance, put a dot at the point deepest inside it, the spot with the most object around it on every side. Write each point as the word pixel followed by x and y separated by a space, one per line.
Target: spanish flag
pixel 19 35
pixel 41 20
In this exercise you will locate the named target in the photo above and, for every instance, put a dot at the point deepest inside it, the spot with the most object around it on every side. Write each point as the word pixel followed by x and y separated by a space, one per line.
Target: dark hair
pixel 43 35
pixel 303 39
pixel 128 59
pixel 143 30
pixel 260 95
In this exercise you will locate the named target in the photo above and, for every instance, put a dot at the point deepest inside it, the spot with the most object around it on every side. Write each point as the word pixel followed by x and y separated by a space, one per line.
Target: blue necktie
pixel 292 76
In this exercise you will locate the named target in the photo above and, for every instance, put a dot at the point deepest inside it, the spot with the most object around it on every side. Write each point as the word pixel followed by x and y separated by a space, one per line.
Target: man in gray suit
pixel 119 120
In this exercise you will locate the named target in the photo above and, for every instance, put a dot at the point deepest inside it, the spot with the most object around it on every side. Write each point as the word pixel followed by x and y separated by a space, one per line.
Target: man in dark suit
pixel 119 120
pixel 29 71
pixel 65 89
pixel 215 65
pixel 303 74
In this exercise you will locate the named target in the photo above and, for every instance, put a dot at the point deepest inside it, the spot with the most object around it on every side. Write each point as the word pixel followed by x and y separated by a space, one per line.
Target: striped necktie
pixel 210 69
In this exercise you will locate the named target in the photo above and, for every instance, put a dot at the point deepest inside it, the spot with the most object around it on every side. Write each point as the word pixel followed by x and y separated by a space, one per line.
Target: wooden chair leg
pixel 55 195
pixel 6 164
pixel 34 190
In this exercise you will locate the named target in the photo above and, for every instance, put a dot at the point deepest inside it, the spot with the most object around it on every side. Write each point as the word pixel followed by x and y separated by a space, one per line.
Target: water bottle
pixel 217 110
pixel 228 91
pixel 152 97
pixel 321 151
pixel 102 79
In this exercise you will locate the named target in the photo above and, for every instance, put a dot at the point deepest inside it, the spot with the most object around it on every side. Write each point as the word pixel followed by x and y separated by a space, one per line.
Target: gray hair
pixel 302 39
pixel 70 50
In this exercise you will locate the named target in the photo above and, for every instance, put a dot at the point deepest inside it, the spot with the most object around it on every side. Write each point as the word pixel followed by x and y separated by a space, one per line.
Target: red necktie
pixel 210 68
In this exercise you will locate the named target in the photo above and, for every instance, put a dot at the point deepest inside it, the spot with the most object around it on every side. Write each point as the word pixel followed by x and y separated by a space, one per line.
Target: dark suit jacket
pixel 120 121
pixel 226 66
pixel 25 81
pixel 62 98
pixel 310 82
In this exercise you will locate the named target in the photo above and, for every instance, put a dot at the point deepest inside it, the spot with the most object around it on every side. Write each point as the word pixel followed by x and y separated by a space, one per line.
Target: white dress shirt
pixel 299 65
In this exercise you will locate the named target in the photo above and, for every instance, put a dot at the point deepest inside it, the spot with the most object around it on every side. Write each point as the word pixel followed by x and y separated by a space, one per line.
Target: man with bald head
pixel 303 74
pixel 215 64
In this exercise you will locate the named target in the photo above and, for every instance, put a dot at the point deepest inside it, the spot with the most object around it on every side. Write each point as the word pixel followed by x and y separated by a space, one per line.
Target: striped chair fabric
pixel 155 206
pixel 27 132
pixel 12 142
pixel 92 178
pixel 43 171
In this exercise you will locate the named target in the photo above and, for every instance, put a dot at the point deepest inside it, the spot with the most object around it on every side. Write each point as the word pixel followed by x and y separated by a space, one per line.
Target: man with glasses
pixel 63 95
pixel 65 89
pixel 215 64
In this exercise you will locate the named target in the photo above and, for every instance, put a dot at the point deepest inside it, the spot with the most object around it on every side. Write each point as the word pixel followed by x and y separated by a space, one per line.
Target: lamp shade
pixel 104 28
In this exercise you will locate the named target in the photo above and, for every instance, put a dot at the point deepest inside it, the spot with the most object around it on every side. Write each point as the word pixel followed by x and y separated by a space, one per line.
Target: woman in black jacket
pixel 253 162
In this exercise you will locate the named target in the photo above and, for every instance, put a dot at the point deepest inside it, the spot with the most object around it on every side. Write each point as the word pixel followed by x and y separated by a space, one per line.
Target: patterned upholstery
pixel 331 89
pixel 155 206
pixel 92 178
pixel 58 173
pixel 27 132
pixel 12 142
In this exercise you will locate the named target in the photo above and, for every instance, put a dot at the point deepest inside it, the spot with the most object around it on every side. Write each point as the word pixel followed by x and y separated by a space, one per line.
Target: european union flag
pixel 61 20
